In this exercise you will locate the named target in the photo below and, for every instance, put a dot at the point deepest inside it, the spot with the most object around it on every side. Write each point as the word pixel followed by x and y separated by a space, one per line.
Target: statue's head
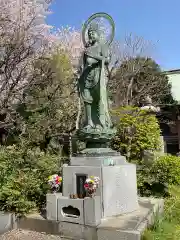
pixel 93 33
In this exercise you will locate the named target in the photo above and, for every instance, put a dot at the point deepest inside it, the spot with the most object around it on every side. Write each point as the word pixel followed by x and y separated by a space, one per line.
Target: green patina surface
pixel 97 128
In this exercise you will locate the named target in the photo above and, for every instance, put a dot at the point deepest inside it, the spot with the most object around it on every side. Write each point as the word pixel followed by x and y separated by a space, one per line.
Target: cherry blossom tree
pixel 24 37
pixel 33 57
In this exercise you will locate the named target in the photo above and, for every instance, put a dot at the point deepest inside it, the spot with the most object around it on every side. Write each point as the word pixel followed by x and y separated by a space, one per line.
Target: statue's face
pixel 93 36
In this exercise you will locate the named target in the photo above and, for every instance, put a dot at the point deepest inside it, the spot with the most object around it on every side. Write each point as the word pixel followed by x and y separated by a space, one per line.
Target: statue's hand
pixel 95 57
pixel 107 60
pixel 103 58
pixel 91 61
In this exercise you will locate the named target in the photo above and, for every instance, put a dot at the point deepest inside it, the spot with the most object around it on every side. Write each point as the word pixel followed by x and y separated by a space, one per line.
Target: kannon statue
pixel 92 83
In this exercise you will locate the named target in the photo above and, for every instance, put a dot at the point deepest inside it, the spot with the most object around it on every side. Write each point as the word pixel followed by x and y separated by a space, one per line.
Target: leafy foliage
pixel 155 179
pixel 23 177
pixel 137 132
pixel 49 105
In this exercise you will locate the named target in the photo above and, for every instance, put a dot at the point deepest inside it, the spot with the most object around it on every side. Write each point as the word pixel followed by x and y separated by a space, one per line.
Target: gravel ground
pixel 28 235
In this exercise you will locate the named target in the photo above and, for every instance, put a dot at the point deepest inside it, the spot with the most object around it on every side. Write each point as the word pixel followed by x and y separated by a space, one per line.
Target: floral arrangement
pixel 91 184
pixel 55 182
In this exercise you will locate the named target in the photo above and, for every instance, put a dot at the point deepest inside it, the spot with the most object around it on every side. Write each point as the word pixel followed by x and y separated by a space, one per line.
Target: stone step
pixel 128 226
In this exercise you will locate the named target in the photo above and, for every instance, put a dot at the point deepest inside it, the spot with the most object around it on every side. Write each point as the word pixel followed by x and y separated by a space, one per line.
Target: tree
pixel 139 77
pixel 49 105
pixel 69 40
pixel 24 37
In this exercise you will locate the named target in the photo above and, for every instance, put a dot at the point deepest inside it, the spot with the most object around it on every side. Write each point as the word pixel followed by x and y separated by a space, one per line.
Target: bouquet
pixel 55 182
pixel 91 184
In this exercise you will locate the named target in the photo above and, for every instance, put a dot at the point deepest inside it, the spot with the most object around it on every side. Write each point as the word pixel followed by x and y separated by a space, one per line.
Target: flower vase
pixel 91 192
pixel 55 189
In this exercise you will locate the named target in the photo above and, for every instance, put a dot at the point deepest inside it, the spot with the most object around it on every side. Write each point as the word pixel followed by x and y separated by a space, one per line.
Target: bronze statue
pixel 92 83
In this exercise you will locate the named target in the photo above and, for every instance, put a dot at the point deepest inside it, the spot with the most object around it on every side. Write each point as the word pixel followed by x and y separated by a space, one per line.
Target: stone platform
pixel 128 226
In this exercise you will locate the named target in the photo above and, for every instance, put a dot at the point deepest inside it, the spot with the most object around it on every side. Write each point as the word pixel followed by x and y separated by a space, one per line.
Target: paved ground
pixel 28 235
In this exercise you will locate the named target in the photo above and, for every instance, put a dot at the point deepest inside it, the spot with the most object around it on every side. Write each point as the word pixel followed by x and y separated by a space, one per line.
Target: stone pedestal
pixel 115 212
pixel 117 191
pixel 116 195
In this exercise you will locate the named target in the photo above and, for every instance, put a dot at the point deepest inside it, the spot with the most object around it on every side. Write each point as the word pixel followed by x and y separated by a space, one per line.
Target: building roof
pixel 173 71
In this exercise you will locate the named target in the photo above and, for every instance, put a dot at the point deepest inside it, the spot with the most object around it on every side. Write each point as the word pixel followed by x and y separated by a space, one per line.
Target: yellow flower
pixel 59 179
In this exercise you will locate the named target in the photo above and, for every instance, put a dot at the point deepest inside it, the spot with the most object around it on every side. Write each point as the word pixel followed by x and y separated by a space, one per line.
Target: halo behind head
pixel 91 25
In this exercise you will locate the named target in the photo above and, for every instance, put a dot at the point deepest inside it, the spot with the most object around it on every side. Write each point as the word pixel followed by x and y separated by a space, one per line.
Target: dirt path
pixel 28 235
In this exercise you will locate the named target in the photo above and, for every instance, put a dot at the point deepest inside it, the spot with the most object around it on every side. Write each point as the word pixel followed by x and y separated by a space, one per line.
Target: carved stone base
pixel 98 152
pixel 95 138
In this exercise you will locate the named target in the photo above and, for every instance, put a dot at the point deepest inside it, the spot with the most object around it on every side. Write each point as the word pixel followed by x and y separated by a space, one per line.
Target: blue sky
pixel 157 21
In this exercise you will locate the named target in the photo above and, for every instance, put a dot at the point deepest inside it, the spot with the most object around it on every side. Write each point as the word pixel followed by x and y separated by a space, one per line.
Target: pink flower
pixel 86 185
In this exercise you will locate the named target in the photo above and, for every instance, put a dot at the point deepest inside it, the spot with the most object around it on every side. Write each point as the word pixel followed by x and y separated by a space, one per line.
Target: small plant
pixel 167 227
pixel 55 182
pixel 91 184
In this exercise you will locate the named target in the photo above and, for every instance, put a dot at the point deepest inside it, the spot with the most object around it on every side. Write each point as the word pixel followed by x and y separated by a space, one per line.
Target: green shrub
pixel 154 179
pixel 23 178
pixel 137 132
pixel 167 169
